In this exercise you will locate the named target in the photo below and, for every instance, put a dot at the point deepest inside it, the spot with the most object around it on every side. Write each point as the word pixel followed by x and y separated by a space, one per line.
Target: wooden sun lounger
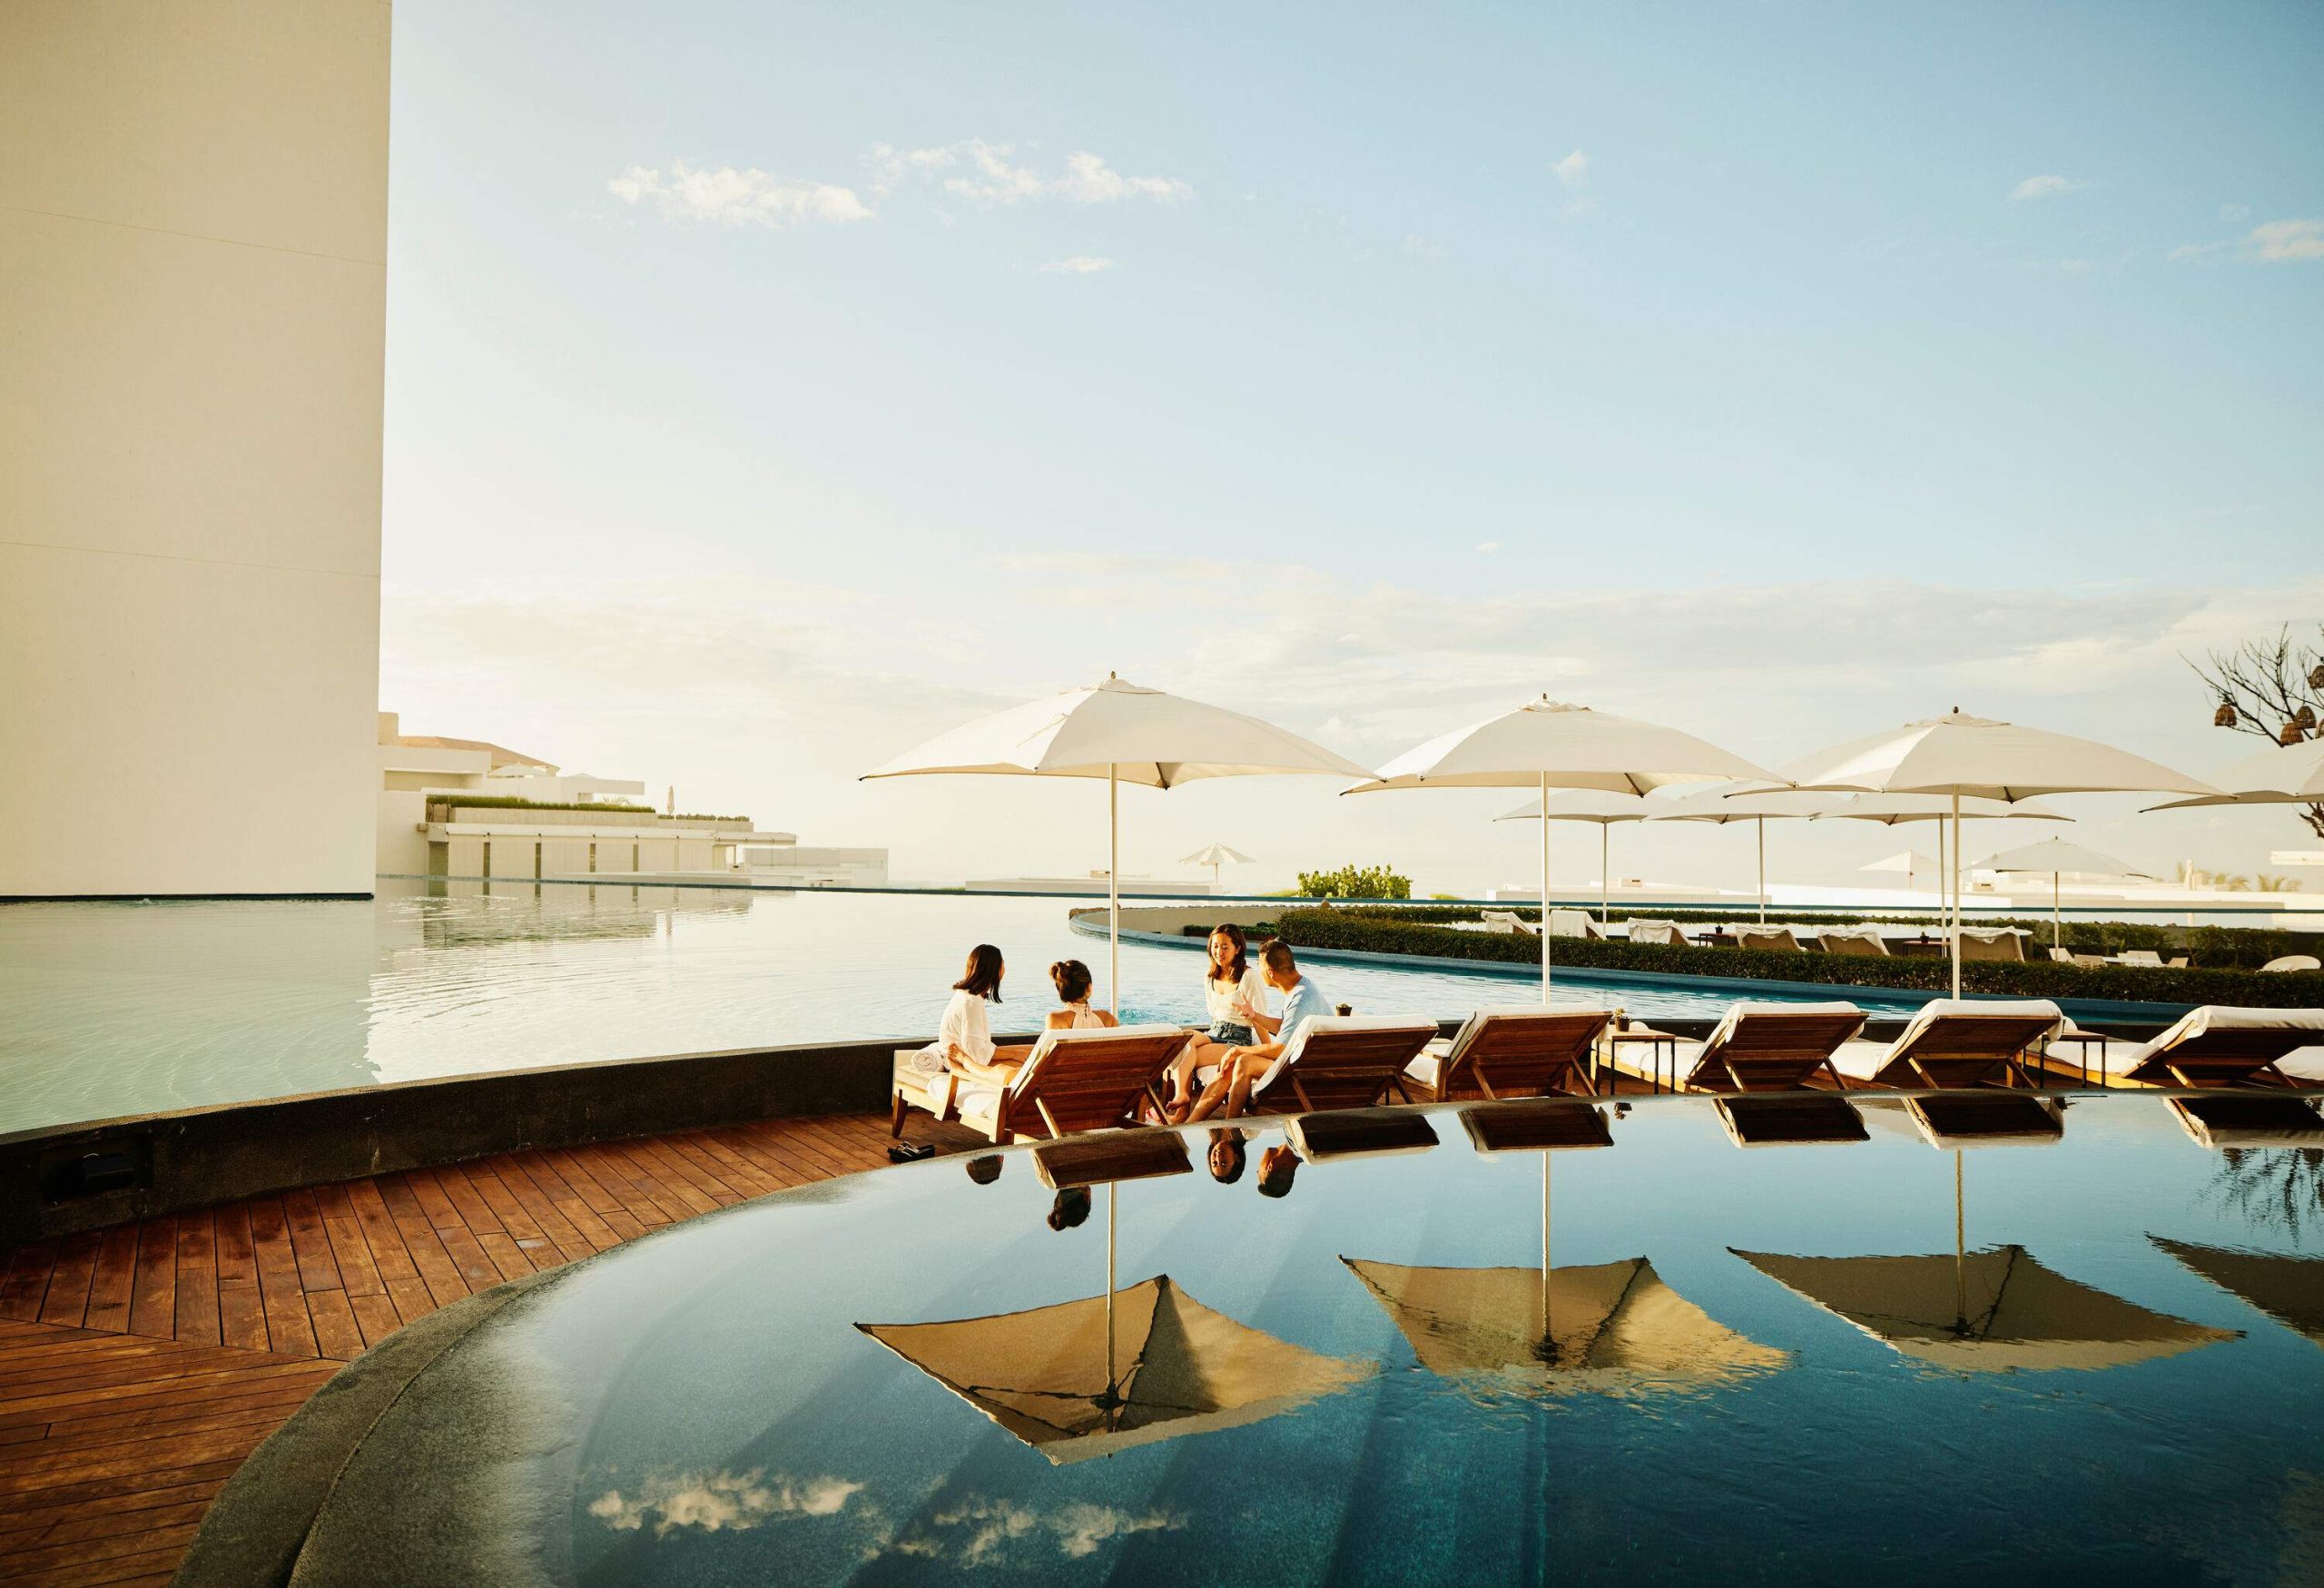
pixel 1972 1056
pixel 2231 1054
pixel 1767 940
pixel 1341 1061
pixel 1773 1048
pixel 1870 945
pixel 1519 1051
pixel 1092 1079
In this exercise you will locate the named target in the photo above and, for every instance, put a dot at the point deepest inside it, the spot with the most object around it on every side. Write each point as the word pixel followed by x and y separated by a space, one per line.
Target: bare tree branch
pixel 2267 683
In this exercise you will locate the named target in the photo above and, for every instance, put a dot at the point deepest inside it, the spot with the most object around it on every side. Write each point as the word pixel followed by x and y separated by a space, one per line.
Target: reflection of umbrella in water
pixel 1615 1329
pixel 1987 1311
pixel 2288 1289
pixel 1042 1374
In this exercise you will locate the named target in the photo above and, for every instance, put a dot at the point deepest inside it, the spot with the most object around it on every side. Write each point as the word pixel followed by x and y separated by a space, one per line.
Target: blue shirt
pixel 1302 1003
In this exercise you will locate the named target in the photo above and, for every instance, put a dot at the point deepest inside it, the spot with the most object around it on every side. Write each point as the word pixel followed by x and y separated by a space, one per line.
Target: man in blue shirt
pixel 1303 1001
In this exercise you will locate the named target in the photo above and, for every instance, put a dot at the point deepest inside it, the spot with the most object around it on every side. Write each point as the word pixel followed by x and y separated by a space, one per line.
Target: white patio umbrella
pixel 1123 733
pixel 1890 808
pixel 2292 774
pixel 1214 855
pixel 1757 804
pixel 1912 863
pixel 2057 857
pixel 1599 805
pixel 1969 757
pixel 1547 743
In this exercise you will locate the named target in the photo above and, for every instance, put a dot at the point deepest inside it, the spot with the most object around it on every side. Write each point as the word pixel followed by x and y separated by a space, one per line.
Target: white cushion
pixel 2220 1017
pixel 1323 1024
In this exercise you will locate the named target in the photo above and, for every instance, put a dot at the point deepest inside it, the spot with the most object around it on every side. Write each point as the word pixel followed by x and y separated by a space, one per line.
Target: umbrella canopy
pixel 1043 1375
pixel 1970 757
pixel 2056 855
pixel 1547 743
pixel 1989 1311
pixel 1890 809
pixel 1614 1329
pixel 2290 1290
pixel 1751 802
pixel 2292 774
pixel 1122 732
pixel 1216 855
pixel 1910 861
pixel 1604 807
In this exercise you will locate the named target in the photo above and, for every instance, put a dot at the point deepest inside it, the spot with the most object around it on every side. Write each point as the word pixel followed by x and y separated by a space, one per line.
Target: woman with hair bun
pixel 1072 979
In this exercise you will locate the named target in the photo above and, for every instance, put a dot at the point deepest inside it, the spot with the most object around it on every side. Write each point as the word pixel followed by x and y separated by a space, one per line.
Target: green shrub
pixel 1372 882
pixel 509 803
pixel 1392 931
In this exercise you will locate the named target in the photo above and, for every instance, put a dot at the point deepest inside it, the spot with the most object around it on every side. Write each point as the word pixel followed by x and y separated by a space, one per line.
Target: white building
pixel 193 217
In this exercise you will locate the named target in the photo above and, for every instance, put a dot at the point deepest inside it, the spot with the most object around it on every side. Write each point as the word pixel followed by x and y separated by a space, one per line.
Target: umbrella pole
pixel 2057 928
pixel 1763 871
pixel 1957 892
pixel 1113 903
pixel 1605 870
pixel 1545 1254
pixel 1960 1270
pixel 1113 1192
pixel 1545 887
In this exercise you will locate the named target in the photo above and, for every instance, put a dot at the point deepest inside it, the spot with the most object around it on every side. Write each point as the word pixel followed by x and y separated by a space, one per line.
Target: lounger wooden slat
pixel 1763 1050
pixel 1513 1053
pixel 2239 1119
pixel 1342 1063
pixel 1075 1080
pixel 1536 1125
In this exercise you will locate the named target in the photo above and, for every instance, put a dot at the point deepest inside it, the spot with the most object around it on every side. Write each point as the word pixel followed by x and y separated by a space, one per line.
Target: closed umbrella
pixel 1890 808
pixel 1547 743
pixel 2057 857
pixel 1969 757
pixel 1214 855
pixel 1123 733
pixel 1600 806
pixel 1757 804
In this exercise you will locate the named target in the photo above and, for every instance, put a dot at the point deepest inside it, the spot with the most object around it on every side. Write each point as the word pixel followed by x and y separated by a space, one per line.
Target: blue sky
pixel 1780 372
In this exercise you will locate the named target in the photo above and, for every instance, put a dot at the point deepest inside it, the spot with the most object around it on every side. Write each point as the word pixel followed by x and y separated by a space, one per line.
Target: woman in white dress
pixel 1072 979
pixel 964 1043
pixel 1235 996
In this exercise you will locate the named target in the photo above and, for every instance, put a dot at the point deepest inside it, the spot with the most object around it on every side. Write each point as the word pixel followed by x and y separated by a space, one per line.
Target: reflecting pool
pixel 1667 1359
pixel 112 1009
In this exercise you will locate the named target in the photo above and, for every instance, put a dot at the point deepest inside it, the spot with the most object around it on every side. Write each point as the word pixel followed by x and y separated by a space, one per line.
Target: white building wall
pixel 193 296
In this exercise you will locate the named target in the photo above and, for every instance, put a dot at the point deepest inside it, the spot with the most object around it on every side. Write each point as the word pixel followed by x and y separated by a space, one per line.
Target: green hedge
pixel 509 803
pixel 2213 948
pixel 1389 932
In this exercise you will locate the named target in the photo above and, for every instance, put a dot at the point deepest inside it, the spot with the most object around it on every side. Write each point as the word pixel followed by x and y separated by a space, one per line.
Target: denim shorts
pixel 1234 1034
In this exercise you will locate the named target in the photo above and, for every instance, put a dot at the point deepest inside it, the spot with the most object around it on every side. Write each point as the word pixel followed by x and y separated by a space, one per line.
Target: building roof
pixel 502 755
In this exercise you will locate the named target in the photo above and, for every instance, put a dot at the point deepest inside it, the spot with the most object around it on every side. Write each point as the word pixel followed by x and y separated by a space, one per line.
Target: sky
pixel 771 387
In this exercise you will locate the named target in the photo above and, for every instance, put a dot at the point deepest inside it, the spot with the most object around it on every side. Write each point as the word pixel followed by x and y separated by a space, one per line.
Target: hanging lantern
pixel 2316 676
pixel 2224 717
pixel 2290 737
pixel 2306 721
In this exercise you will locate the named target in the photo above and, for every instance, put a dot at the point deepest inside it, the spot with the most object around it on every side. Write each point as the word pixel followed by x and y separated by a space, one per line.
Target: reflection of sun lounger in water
pixel 1777 1048
pixel 1971 1052
pixel 2231 1056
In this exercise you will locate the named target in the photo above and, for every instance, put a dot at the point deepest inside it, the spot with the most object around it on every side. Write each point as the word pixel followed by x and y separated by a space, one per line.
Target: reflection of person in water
pixel 1277 1164
pixel 986 1170
pixel 1227 1156
pixel 1072 1209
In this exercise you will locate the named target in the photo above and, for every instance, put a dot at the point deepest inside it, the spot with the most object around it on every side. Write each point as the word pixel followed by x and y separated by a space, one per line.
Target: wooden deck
pixel 140 1365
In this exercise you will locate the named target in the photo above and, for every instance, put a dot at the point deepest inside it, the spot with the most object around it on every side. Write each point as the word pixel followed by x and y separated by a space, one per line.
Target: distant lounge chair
pixel 1073 1081
pixel 1768 940
pixel 1854 939
pixel 1573 924
pixel 1341 1061
pixel 1526 1050
pixel 1509 920
pixel 2063 956
pixel 1658 931
pixel 2294 963
pixel 1779 1048
pixel 1970 1053
pixel 2146 957
pixel 2230 1056
pixel 1990 943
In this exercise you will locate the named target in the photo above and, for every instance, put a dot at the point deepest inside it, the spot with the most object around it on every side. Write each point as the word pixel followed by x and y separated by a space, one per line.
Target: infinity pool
pixel 112 1009
pixel 1765 1366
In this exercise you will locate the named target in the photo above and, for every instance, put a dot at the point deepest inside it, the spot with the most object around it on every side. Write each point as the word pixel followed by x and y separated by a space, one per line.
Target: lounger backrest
pixel 1863 941
pixel 1959 1042
pixel 1088 1079
pixel 1343 1062
pixel 1523 1050
pixel 2295 963
pixel 1767 940
pixel 2005 946
pixel 1661 932
pixel 2140 957
pixel 1774 1045
pixel 2216 1044
pixel 1572 923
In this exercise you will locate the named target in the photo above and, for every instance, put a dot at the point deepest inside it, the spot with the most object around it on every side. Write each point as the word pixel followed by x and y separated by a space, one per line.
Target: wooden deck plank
pixel 111 1287
pixel 337 1333
pixel 559 1192
pixel 288 1328
pixel 154 1295
pixel 67 1301
pixel 317 1269
pixel 197 1290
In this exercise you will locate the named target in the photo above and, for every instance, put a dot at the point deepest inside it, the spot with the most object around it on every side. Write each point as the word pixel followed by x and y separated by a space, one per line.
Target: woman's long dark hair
pixel 982 976
pixel 1240 965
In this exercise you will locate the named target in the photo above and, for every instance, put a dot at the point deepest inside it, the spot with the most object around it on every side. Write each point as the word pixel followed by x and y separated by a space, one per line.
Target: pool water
pixel 1772 1366
pixel 114 1009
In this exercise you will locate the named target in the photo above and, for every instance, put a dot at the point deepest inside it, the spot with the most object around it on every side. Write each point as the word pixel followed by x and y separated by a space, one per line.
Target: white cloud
pixel 984 174
pixel 1080 264
pixel 2041 187
pixel 2286 242
pixel 719 1502
pixel 978 1532
pixel 731 197
pixel 1574 170
pixel 1489 546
